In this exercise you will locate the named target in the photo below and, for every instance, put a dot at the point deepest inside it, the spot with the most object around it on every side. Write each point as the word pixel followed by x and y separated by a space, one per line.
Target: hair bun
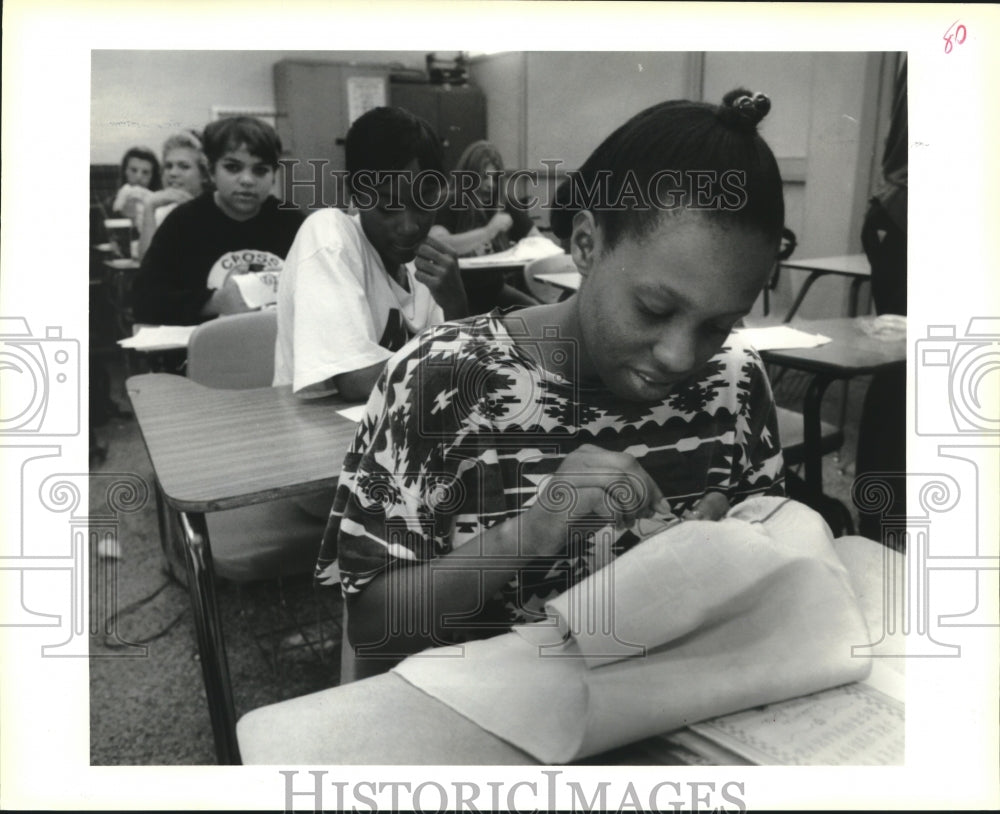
pixel 744 109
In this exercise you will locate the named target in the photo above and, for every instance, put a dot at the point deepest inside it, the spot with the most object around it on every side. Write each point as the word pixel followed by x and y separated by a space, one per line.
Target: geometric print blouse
pixel 463 425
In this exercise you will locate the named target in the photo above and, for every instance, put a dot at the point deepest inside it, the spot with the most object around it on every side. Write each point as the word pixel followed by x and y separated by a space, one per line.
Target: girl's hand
pixel 712 506
pixel 590 481
pixel 437 268
pixel 499 223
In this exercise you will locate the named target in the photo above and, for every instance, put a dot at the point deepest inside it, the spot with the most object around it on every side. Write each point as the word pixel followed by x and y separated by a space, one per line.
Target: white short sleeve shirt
pixel 338 309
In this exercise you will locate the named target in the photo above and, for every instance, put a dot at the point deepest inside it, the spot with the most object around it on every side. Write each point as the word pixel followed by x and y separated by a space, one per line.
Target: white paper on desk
pixel 355 413
pixel 258 288
pixel 525 250
pixel 159 337
pixel 749 610
pixel 780 337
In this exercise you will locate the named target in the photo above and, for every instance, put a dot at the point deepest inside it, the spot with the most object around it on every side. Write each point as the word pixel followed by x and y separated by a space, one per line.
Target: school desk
pixel 854 266
pixel 851 352
pixel 384 720
pixel 119 273
pixel 217 449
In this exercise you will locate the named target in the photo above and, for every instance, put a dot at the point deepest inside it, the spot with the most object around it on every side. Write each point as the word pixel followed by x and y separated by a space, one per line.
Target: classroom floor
pixel 147 702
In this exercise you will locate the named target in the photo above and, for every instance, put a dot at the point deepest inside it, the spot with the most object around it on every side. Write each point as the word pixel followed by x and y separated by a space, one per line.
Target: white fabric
pixel 700 620
pixel 333 304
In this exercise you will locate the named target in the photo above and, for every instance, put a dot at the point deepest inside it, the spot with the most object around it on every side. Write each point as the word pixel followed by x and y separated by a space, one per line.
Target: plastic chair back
pixel 234 352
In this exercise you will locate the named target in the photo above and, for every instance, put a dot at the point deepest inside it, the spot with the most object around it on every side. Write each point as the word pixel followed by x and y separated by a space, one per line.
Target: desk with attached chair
pixel 228 463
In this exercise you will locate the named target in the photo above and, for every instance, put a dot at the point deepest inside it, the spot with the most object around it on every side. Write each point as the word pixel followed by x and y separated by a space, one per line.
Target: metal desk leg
pixel 852 311
pixel 812 433
pixel 852 307
pixel 211 647
pixel 812 278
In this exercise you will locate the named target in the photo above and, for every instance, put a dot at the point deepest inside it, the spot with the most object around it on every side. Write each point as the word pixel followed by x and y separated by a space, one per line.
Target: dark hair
pixel 389 138
pixel 674 156
pixel 233 132
pixel 145 154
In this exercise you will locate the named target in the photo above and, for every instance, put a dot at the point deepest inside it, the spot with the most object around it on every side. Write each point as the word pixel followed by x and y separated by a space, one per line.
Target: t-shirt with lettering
pixel 197 246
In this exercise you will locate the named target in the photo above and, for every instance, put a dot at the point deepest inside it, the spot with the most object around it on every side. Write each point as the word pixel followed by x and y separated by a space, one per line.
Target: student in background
pixel 140 177
pixel 357 287
pixel 187 274
pixel 491 445
pixel 185 177
pixel 481 220
pixel 882 429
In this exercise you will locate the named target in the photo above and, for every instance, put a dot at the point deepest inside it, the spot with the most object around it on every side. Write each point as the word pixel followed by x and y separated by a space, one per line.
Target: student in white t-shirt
pixel 355 288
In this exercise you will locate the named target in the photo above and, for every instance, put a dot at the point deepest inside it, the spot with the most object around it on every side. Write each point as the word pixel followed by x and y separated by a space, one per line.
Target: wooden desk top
pixel 217 449
pixel 384 720
pixel 852 351
pixel 850 265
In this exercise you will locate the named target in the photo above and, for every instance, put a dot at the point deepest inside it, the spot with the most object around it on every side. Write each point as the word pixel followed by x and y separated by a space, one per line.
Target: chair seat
pixel 792 433
pixel 264 541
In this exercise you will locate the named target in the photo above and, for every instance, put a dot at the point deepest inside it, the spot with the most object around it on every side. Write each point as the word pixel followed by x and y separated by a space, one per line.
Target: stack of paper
pixel 526 250
pixel 780 337
pixel 159 337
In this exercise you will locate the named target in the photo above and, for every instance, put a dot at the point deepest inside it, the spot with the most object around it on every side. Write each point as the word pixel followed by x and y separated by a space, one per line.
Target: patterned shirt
pixel 464 424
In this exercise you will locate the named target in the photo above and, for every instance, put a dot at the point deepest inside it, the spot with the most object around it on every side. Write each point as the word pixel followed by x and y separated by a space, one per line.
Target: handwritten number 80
pixel 958 36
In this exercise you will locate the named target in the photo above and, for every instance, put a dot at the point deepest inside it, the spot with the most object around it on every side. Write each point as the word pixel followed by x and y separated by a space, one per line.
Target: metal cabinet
pixel 456 112
pixel 316 102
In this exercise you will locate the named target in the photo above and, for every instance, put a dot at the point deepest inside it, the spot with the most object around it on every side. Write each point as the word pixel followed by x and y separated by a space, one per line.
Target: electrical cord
pixel 112 622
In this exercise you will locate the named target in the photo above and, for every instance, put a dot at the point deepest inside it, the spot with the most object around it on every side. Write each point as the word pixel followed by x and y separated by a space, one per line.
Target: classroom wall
pixel 141 97
pixel 559 105
pixel 824 129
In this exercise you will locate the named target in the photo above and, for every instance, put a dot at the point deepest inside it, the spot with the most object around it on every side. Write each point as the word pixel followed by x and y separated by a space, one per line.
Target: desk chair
pixel 539 289
pixel 266 541
pixel 792 434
